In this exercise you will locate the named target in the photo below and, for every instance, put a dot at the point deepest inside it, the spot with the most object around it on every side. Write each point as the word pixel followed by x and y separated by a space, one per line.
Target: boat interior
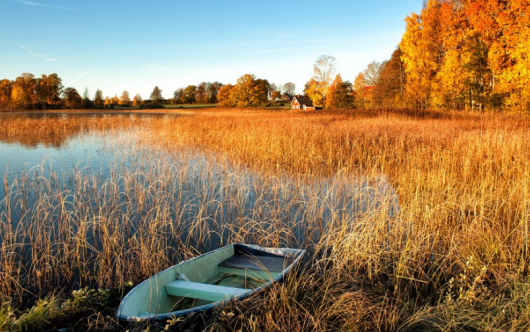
pixel 214 277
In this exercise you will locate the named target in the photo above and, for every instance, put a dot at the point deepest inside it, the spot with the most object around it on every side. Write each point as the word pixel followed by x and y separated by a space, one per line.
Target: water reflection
pixel 191 186
pixel 53 130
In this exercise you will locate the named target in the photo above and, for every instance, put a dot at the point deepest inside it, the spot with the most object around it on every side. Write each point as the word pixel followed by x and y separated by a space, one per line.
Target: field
pixel 453 257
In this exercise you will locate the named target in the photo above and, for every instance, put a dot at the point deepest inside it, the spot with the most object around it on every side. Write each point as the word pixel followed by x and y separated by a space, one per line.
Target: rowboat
pixel 199 284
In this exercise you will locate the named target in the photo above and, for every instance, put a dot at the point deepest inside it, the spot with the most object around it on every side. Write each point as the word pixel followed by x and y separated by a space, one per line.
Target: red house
pixel 302 102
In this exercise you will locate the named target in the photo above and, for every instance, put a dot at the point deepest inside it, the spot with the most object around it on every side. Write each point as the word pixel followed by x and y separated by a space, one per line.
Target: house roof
pixel 304 100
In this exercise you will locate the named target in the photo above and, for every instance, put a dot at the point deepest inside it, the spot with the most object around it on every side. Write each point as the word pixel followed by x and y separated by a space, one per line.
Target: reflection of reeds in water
pixel 458 251
pixel 85 229
pixel 54 130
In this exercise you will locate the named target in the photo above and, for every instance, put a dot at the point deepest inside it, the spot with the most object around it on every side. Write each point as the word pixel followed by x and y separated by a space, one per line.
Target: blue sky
pixel 134 45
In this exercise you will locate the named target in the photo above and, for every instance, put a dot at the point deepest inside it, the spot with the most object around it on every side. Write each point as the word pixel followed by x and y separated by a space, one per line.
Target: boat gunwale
pixel 297 254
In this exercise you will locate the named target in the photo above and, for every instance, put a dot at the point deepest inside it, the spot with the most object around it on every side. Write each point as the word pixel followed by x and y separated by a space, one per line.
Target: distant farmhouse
pixel 302 102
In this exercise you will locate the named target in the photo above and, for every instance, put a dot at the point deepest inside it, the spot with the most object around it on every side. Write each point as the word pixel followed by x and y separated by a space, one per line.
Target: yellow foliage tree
pixel 248 92
pixel 339 94
pixel 5 94
pixel 515 71
pixel 422 53
pixel 468 53
pixel 315 91
pixel 223 95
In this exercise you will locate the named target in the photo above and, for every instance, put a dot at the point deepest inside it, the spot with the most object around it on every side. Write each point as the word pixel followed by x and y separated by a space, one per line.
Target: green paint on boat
pixel 202 282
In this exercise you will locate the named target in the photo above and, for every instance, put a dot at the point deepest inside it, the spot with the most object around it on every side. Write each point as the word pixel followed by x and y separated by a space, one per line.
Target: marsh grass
pixel 453 256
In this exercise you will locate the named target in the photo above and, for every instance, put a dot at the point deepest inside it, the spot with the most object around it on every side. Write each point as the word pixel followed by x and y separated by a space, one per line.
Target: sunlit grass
pixel 455 256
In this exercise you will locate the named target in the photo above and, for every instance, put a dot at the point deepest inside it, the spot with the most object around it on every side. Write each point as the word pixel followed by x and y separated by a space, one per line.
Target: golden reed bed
pixel 456 261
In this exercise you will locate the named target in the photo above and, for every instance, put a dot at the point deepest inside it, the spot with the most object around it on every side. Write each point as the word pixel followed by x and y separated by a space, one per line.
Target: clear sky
pixel 118 45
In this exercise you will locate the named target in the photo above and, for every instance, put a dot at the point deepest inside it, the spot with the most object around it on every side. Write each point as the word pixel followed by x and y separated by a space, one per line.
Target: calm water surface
pixel 89 152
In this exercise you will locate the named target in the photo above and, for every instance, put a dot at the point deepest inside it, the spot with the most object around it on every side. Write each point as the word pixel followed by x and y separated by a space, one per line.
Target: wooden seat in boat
pixel 201 291
pixel 260 263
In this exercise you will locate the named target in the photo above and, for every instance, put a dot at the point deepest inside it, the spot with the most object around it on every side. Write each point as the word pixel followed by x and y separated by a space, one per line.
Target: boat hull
pixel 199 284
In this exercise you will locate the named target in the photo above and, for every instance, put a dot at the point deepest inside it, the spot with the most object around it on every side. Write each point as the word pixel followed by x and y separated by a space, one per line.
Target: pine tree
pixel 156 96
pixel 98 99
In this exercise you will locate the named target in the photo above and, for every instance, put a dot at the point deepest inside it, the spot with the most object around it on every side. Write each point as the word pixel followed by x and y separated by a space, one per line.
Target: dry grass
pixel 455 258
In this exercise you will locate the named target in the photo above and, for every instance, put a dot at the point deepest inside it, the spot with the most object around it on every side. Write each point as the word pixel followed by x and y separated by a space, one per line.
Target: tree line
pixel 324 88
pixel 455 54
pixel 28 92
pixel 48 92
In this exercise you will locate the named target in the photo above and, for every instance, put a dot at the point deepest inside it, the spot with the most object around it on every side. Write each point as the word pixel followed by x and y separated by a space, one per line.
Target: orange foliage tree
pixel 468 54
pixel 339 94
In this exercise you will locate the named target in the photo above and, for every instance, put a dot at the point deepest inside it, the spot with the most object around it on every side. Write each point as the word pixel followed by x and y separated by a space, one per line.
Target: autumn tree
pixel 339 94
pixel 314 90
pixel 28 92
pixel 250 91
pixel 201 93
pixel 224 96
pixel 189 94
pixel 125 99
pixel 459 54
pixel 373 72
pixel 19 98
pixel 41 91
pixel 213 90
pixel 367 81
pixel 391 82
pixel 359 86
pixel 422 53
pixel 156 95
pixel 71 98
pixel 5 94
pixel 54 89
pixel 317 87
pixel 48 89
pixel 507 28
pixel 259 94
pixel 23 92
pixel 137 100
pixel 359 83
pixel 178 96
